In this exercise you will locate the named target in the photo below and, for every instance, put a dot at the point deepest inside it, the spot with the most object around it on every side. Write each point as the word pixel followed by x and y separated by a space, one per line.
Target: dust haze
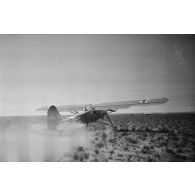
pixel 22 142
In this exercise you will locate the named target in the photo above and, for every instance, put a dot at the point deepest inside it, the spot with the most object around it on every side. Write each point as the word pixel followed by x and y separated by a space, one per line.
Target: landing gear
pixel 102 124
pixel 113 127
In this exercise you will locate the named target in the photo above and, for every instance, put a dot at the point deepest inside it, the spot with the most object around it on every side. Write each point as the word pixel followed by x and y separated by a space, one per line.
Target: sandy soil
pixel 145 138
pixel 156 137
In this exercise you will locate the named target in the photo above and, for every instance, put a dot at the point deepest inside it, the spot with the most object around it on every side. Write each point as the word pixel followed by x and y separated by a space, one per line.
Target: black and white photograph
pixel 97 98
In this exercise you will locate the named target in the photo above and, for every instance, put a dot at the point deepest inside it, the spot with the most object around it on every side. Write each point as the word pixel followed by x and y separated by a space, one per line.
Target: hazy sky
pixel 37 70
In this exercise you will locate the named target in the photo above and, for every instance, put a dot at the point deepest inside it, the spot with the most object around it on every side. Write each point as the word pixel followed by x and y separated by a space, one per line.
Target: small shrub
pixel 112 140
pixel 180 151
pixel 112 152
pixel 170 151
pixel 80 149
pixel 86 156
pixel 104 136
pixel 131 140
pixel 126 148
pixel 97 151
pixel 146 149
pixel 120 155
pixel 100 145
pixel 76 157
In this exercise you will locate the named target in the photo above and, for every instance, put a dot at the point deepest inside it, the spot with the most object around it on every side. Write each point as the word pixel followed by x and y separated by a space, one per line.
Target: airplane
pixel 88 113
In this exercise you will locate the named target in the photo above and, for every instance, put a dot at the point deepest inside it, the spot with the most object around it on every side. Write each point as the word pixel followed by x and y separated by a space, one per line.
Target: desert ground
pixel 138 137
pixel 156 137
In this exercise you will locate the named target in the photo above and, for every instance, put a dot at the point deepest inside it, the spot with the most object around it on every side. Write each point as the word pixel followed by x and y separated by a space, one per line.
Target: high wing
pixel 127 104
pixel 110 105
pixel 68 108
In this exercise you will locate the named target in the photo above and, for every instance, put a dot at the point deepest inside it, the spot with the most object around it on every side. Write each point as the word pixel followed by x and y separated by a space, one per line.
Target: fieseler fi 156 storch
pixel 97 113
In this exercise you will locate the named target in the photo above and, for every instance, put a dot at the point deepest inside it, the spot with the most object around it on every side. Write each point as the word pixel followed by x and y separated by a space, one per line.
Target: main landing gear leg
pixel 114 128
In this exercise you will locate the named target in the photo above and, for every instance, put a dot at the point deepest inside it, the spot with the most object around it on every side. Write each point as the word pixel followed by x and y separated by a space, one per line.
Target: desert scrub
pixel 112 140
pixel 100 145
pixel 111 152
pixel 146 150
pixel 131 140
pixel 170 151
pixel 86 156
pixel 75 157
pixel 80 149
pixel 120 155
pixel 97 151
pixel 126 148
pixel 82 156
pixel 110 158
pixel 104 136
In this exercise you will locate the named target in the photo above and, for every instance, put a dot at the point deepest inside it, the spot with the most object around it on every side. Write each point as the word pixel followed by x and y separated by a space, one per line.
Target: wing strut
pixel 110 121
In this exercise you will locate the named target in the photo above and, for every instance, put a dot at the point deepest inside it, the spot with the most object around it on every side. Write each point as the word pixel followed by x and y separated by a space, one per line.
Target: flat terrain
pixel 139 137
pixel 156 137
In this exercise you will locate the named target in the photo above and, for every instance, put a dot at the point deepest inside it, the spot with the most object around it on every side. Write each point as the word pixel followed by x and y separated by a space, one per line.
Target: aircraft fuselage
pixel 91 116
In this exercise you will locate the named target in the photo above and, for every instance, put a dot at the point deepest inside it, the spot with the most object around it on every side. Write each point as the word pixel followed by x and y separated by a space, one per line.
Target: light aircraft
pixel 88 114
